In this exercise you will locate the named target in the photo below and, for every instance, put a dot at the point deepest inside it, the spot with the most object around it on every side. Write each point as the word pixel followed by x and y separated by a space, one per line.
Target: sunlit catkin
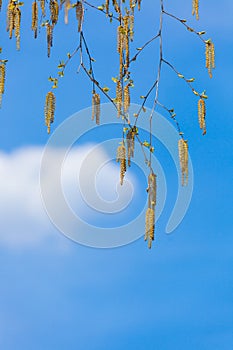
pixel 54 11
pixel 42 6
pixel 11 18
pixel 79 14
pixel 49 38
pixel 107 6
pixel 152 190
pixel 150 227
pixel 95 107
pixel 119 97
pixel 17 22
pixel 67 8
pixel 183 157
pixel 116 6
pixel 139 5
pixel 49 109
pixel 2 80
pixel 126 98
pixel 201 115
pixel 209 56
pixel 130 139
pixel 34 18
pixel 121 157
pixel 195 10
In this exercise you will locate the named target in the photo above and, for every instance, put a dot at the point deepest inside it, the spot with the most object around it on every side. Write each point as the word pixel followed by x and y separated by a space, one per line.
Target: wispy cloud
pixel 24 222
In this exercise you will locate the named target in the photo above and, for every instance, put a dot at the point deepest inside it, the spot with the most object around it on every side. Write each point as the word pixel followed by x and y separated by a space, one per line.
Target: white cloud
pixel 24 222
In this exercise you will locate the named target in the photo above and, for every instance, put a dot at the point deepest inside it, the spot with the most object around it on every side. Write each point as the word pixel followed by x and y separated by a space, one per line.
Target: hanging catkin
pixel 2 80
pixel 209 56
pixel 54 11
pixel 107 6
pixel 121 157
pixel 201 115
pixel 116 6
pixel 195 10
pixel 150 227
pixel 42 6
pixel 34 18
pixel 150 212
pixel 49 109
pixel 183 157
pixel 49 38
pixel 79 14
pixel 17 23
pixel 95 107
pixel 130 138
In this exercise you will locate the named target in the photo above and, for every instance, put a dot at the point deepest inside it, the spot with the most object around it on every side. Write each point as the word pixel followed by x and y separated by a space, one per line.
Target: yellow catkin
pixel 126 98
pixel 120 31
pixel 152 191
pixel 34 18
pixel 119 96
pixel 10 18
pixel 67 8
pixel 183 157
pixel 209 56
pixel 121 157
pixel 2 80
pixel 42 6
pixel 139 5
pixel 201 115
pixel 116 6
pixel 126 41
pixel 130 138
pixel 150 227
pixel 195 10
pixel 49 109
pixel 54 11
pixel 49 38
pixel 96 107
pixel 131 26
pixel 107 6
pixel 17 22
pixel 79 14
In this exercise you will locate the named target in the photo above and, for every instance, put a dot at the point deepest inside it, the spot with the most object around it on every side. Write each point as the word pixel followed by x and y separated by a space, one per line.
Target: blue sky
pixel 57 294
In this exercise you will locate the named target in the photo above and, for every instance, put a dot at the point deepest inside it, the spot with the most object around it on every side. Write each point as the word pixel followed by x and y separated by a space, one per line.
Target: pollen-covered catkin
pixel 183 157
pixel 34 18
pixel 79 14
pixel 49 109
pixel 130 138
pixel 42 6
pixel 96 107
pixel 17 23
pixel 54 11
pixel 139 5
pixel 126 98
pixel 152 190
pixel 121 157
pixel 201 115
pixel 209 56
pixel 49 38
pixel 107 6
pixel 119 96
pixel 150 227
pixel 116 6
pixel 2 80
pixel 67 8
pixel 195 10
